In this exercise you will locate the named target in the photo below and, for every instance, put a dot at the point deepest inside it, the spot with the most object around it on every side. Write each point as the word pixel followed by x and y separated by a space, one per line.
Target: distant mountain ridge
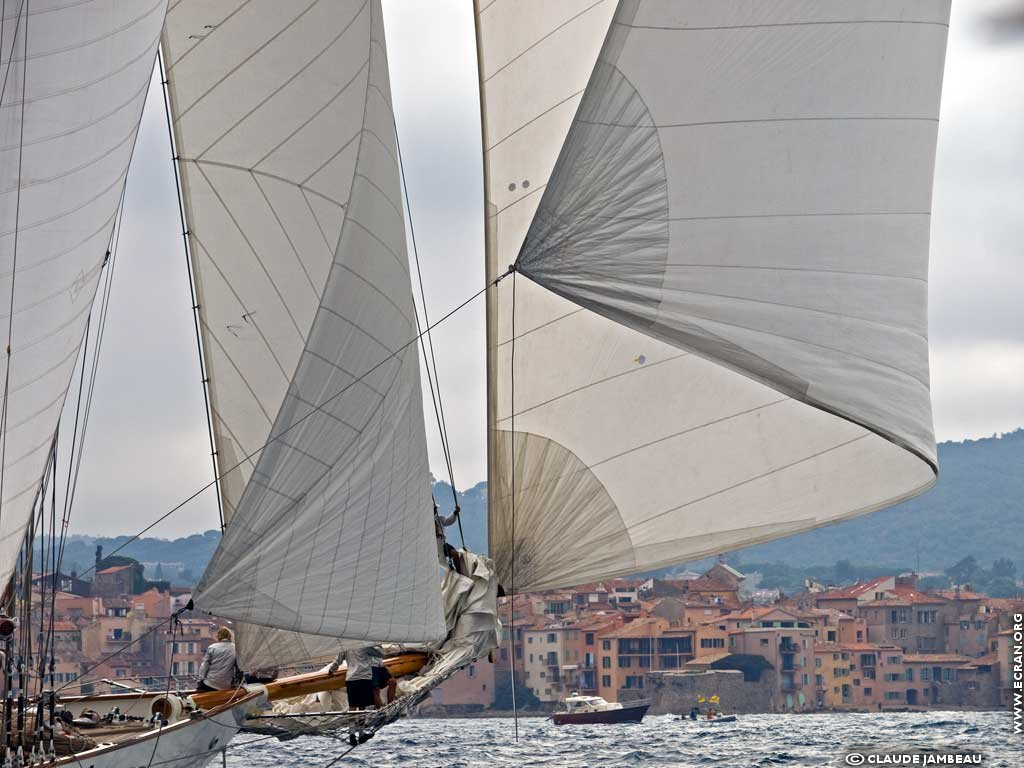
pixel 976 508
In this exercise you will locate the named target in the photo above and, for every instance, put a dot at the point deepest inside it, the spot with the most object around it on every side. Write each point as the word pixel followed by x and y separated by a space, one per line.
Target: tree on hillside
pixel 1004 568
pixel 964 570
pixel 1002 587
pixel 845 573
pixel 935 582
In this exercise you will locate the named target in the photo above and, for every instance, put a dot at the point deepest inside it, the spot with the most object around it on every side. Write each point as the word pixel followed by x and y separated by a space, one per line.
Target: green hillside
pixel 976 508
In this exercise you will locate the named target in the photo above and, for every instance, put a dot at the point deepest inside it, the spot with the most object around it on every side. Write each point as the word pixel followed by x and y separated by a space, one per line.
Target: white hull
pixel 187 743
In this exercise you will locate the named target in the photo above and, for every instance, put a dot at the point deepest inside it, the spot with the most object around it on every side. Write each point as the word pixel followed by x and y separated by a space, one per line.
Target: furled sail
pixel 734 239
pixel 74 78
pixel 284 129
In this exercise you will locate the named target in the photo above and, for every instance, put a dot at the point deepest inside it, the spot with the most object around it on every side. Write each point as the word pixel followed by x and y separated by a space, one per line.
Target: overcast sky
pixel 147 445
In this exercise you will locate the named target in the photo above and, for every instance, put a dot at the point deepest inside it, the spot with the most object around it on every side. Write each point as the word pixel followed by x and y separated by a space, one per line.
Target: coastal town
pixel 884 644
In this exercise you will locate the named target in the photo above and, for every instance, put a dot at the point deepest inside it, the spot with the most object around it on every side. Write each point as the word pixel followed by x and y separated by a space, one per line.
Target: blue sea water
pixel 754 740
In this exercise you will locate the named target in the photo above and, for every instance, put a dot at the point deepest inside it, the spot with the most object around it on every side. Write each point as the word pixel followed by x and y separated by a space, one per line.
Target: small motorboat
pixel 710 720
pixel 593 710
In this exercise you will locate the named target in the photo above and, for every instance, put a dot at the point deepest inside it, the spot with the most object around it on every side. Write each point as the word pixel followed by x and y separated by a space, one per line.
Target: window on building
pixel 764 641
pixel 894 695
pixel 547 691
pixel 830 636
pixel 531 658
pixel 625 661
pixel 926 675
pixel 819 681
pixel 588 638
pixel 530 640
pixel 543 674
pixel 817 661
pixel 948 674
pixel 606 645
pixel 606 681
pixel 893 660
pixel 471 671
pixel 867 691
pixel 191 667
pixel 174 648
pixel 551 637
pixel 805 678
pixel 910 674
pixel 606 662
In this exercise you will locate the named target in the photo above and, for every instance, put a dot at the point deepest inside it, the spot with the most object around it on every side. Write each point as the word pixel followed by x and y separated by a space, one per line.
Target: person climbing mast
pixel 447 555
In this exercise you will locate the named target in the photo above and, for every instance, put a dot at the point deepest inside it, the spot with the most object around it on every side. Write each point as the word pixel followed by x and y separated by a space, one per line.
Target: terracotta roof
pixel 706 584
pixel 864 647
pixel 594 586
pixel 855 591
pixel 984 661
pixel 113 569
pixel 711 658
pixel 889 602
pixel 64 626
pixel 595 622
pixel 963 594
pixel 638 628
pixel 936 658
pixel 917 597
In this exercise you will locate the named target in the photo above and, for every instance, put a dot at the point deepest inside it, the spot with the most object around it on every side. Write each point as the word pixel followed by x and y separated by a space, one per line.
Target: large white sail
pixel 74 79
pixel 741 205
pixel 284 130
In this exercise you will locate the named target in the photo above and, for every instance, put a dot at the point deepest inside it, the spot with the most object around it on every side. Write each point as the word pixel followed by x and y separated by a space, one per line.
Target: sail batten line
pixel 182 113
pixel 789 24
pixel 768 120
pixel 259 261
pixel 540 40
pixel 284 85
pixel 265 174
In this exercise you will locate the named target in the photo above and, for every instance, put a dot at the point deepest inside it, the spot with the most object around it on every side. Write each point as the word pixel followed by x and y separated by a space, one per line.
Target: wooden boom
pixel 313 682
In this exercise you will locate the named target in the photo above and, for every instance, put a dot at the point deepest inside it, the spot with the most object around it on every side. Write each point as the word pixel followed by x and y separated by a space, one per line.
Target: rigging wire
pixel 429 361
pixel 203 372
pixel 319 407
pixel 512 481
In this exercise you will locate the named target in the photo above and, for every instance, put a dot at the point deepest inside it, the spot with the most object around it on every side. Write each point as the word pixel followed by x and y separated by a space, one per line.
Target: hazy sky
pixel 147 445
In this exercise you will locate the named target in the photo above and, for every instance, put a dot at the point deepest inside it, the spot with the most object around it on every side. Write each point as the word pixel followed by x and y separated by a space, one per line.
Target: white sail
pixel 741 205
pixel 74 80
pixel 284 130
